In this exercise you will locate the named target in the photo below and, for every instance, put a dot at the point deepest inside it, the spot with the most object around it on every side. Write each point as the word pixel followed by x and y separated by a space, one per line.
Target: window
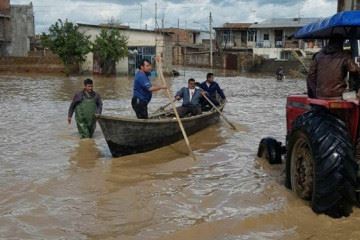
pixel 285 55
pixel 252 36
pixel 227 36
pixel 266 37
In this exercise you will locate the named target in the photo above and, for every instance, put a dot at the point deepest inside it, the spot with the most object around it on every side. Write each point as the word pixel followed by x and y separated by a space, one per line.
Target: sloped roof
pixel 173 30
pixel 284 22
pixel 120 27
pixel 234 26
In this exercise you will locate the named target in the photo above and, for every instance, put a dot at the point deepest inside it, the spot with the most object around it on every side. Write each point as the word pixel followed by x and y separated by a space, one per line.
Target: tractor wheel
pixel 320 164
pixel 271 150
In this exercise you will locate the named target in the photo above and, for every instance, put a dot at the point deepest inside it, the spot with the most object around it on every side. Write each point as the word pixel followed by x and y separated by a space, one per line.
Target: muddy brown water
pixel 55 186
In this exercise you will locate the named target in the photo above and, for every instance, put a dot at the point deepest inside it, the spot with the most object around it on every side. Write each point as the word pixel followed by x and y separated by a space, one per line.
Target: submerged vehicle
pixel 322 152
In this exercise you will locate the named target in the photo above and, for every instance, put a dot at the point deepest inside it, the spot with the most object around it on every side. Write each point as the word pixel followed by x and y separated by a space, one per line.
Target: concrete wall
pixel 22 29
pixel 268 52
pixel 269 66
pixel 202 36
pixel 135 39
pixel 197 60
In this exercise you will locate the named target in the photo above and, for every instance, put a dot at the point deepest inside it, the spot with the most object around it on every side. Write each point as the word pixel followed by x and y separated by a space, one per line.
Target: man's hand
pixel 203 93
pixel 69 120
pixel 164 87
pixel 177 98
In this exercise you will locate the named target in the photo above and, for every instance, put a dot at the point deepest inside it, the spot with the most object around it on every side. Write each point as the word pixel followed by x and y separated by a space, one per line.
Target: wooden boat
pixel 126 136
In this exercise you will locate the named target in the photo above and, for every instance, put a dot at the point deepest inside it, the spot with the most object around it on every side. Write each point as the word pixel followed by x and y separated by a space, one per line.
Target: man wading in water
pixel 86 104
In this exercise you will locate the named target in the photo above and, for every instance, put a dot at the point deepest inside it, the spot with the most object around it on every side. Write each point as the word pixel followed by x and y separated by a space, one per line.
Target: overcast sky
pixel 192 14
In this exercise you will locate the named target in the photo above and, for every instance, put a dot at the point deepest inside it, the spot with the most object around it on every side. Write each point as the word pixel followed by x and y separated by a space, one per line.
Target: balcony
pixel 277 44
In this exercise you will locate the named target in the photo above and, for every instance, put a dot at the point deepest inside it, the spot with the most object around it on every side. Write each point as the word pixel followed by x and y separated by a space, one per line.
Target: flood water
pixel 55 186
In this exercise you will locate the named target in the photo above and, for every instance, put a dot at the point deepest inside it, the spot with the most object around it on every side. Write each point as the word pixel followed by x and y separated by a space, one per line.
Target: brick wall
pixel 31 64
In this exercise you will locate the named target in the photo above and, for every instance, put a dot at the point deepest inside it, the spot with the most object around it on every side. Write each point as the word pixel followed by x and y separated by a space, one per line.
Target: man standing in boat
pixel 212 88
pixel 85 104
pixel 191 99
pixel 143 89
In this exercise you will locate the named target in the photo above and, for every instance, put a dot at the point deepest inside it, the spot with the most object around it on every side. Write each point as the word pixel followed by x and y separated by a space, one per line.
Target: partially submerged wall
pixel 31 64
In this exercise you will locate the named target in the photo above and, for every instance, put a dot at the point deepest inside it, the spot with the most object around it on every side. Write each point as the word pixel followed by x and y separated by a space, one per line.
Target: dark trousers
pixel 206 106
pixel 140 108
pixel 185 110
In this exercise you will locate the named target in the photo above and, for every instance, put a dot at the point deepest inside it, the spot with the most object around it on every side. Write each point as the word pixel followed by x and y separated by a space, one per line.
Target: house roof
pixel 120 27
pixel 173 30
pixel 284 23
pixel 239 26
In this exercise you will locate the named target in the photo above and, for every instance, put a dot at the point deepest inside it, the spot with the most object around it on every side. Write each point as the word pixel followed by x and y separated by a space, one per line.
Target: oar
pixel 174 108
pixel 300 60
pixel 163 107
pixel 218 110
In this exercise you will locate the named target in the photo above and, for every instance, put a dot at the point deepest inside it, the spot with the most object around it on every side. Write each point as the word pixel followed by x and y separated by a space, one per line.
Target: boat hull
pixel 129 136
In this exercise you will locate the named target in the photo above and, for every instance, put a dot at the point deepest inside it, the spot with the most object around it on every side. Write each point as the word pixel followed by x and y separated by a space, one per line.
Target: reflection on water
pixel 86 154
pixel 54 185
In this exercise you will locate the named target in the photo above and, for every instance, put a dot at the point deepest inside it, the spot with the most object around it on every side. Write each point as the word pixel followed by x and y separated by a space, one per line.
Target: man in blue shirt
pixel 191 99
pixel 143 89
pixel 212 88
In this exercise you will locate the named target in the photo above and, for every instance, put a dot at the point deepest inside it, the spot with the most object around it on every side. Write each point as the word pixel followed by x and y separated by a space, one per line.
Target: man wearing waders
pixel 86 104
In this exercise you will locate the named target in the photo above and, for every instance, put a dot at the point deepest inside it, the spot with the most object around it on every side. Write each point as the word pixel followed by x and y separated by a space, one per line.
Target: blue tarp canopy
pixel 345 23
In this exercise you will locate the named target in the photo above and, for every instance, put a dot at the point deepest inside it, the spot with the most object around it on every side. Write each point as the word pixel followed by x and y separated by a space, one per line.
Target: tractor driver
pixel 326 78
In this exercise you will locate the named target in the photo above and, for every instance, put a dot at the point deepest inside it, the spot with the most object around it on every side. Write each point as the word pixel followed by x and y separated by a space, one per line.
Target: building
pixel 186 36
pixel 271 38
pixel 5 23
pixel 234 36
pixel 141 44
pixel 186 43
pixel 274 38
pixel 17 28
pixel 346 5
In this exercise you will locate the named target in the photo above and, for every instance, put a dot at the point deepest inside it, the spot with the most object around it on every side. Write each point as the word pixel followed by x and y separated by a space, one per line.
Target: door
pixel 279 38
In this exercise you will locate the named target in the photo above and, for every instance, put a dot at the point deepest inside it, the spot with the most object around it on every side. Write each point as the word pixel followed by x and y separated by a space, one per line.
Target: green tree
pixel 68 43
pixel 110 47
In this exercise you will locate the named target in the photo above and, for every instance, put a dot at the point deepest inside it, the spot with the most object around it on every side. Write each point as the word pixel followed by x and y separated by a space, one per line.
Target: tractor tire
pixel 320 163
pixel 271 150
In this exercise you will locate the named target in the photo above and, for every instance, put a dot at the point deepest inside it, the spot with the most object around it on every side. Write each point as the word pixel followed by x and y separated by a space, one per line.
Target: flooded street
pixel 55 186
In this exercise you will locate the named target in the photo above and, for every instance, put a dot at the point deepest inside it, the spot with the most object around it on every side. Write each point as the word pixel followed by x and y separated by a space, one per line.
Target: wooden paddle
pixel 163 107
pixel 300 60
pixel 218 110
pixel 158 59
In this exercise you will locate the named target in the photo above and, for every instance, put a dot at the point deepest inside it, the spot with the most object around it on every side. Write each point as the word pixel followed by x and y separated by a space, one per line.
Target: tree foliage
pixel 110 47
pixel 67 42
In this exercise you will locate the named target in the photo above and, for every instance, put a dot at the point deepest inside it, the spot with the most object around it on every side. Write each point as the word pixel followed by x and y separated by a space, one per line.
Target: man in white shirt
pixel 191 99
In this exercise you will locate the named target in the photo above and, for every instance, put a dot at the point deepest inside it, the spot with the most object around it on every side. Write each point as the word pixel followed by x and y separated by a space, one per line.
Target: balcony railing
pixel 277 44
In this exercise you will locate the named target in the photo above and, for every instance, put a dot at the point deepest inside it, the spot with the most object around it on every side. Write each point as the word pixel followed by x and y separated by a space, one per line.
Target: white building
pixel 141 44
pixel 274 38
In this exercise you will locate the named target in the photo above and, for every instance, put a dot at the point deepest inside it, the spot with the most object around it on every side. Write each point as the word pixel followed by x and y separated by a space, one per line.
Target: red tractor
pixel 322 149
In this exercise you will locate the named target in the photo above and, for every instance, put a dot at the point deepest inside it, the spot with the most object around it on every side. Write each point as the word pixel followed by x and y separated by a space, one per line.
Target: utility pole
pixel 178 33
pixel 156 23
pixel 141 15
pixel 211 41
